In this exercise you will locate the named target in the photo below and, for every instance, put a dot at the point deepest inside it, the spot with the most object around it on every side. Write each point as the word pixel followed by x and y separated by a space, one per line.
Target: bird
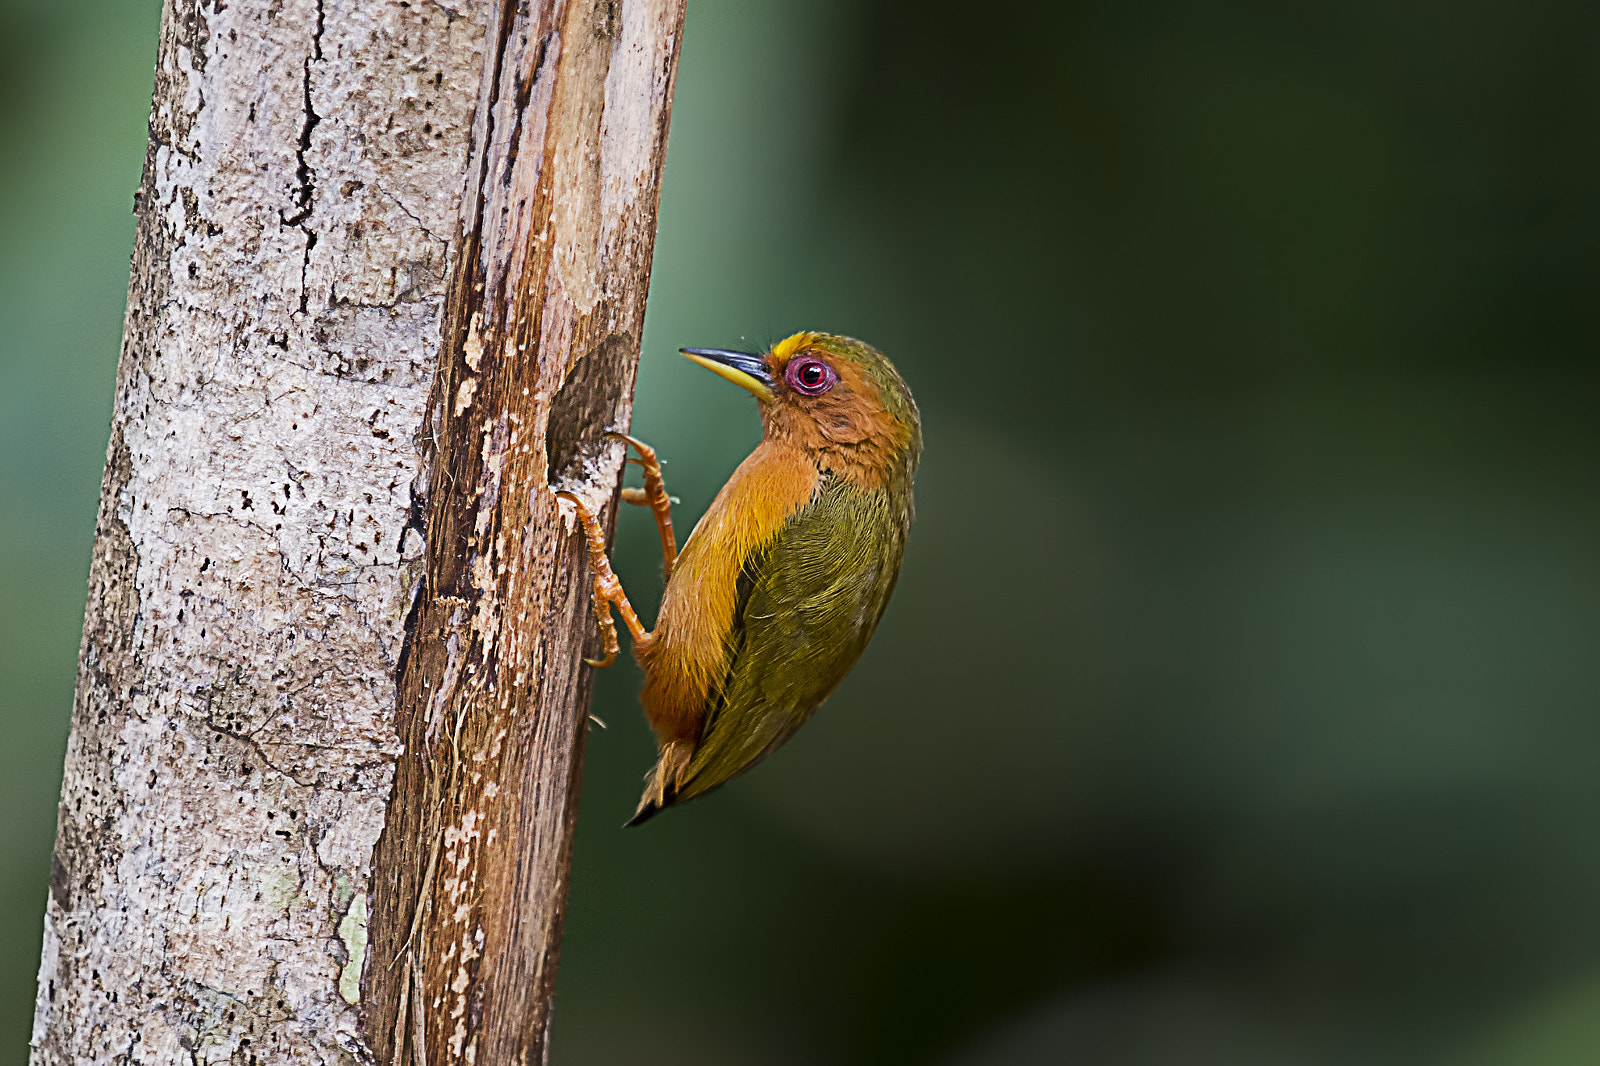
pixel 782 582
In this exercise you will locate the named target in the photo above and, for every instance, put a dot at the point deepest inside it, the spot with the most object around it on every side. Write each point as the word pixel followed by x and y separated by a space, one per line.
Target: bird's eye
pixel 809 376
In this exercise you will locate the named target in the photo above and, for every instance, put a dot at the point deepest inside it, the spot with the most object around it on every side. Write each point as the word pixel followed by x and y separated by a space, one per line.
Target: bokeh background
pixel 1240 703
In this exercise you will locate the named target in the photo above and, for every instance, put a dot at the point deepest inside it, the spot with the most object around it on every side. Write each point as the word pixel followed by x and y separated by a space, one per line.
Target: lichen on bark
pixel 388 284
pixel 232 745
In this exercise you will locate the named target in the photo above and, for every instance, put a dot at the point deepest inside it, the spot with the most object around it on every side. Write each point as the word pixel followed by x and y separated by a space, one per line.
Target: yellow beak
pixel 745 370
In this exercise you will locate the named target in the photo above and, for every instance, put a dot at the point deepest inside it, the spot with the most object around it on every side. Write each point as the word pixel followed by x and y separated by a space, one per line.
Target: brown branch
pixel 544 314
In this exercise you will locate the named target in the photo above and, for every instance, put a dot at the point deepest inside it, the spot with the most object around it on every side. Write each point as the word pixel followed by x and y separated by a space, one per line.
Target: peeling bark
pixel 388 285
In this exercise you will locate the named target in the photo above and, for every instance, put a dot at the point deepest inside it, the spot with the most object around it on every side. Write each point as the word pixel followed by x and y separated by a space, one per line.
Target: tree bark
pixel 388 286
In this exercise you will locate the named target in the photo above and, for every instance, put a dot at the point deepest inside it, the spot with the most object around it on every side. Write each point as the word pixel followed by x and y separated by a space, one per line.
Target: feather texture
pixel 812 600
pixel 688 656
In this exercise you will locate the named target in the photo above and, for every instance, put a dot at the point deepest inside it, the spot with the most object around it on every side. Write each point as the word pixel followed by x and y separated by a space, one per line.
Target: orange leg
pixel 654 494
pixel 607 590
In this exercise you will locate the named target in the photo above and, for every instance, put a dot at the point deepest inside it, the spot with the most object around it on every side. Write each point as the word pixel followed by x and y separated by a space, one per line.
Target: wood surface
pixel 388 281
pixel 543 322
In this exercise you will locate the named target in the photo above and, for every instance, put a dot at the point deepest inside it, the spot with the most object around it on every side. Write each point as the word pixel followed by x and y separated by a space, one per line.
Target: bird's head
pixel 831 395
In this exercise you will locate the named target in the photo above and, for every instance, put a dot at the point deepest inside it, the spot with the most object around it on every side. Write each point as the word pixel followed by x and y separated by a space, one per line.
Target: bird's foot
pixel 653 495
pixel 607 590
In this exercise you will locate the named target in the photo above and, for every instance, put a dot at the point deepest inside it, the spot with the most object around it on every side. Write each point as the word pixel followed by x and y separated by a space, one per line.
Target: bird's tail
pixel 661 787
pixel 648 809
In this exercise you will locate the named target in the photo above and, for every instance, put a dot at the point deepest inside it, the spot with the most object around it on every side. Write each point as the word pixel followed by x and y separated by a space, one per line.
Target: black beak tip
pixel 746 362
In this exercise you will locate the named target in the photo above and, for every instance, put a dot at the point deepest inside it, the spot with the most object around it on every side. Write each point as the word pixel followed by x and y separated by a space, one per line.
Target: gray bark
pixel 380 246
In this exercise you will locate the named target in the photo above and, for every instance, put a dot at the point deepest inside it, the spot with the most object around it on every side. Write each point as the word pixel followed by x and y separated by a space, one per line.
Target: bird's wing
pixel 809 602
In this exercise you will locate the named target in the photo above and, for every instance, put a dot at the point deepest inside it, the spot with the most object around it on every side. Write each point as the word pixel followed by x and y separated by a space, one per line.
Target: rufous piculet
pixel 781 584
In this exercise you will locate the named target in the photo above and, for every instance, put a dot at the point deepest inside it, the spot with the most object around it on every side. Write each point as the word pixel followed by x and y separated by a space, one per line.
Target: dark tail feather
pixel 647 810
pixel 652 803
pixel 661 783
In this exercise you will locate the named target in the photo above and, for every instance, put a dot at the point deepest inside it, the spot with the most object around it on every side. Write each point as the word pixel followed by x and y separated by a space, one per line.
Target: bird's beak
pixel 747 371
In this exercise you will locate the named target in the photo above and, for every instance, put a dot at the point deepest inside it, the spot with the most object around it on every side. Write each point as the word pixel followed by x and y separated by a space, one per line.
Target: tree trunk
pixel 388 286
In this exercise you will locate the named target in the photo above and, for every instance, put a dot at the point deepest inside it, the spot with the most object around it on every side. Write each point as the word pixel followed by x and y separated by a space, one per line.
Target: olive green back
pixel 814 597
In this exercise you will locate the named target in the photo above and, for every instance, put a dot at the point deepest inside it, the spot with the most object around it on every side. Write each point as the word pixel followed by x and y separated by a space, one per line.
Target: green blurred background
pixel 1239 701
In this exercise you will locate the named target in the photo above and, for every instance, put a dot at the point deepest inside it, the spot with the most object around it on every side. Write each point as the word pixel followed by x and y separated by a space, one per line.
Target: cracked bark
pixel 388 286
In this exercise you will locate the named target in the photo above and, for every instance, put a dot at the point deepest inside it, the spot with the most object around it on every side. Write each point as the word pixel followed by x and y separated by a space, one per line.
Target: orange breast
pixel 689 654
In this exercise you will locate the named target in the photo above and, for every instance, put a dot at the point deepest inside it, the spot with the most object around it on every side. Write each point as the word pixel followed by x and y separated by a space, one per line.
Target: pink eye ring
pixel 809 376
